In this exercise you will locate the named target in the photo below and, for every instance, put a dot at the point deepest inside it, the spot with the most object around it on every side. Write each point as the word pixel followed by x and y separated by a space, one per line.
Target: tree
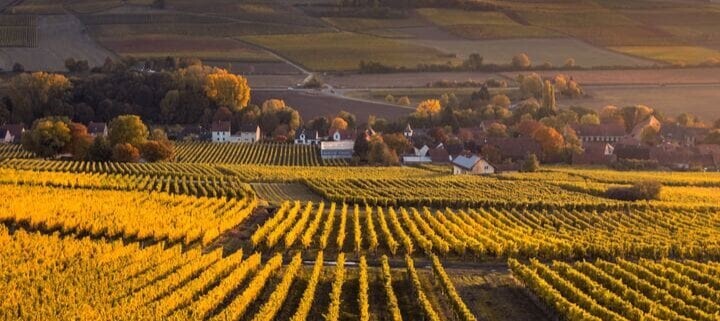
pixel 380 153
pixel 169 106
pixel 716 124
pixel 521 61
pixel 320 124
pixel 590 119
pixel 127 129
pixel 491 153
pixel 473 62
pixel 497 130
pixel 501 100
pixel 80 141
pixel 531 164
pixel 390 99
pixel 688 120
pixel 100 150
pixel 550 140
pixel 32 95
pixel 397 143
pixel 713 137
pixel 349 118
pixel 48 136
pixel 126 153
pixel 361 147
pixel 338 124
pixel 428 108
pixel 611 114
pixel 403 101
pixel 155 151
pixel 222 114
pixel 530 85
pixel 650 136
pixel 18 67
pixel 227 89
pixel 632 115
pixel 569 63
pixel 548 97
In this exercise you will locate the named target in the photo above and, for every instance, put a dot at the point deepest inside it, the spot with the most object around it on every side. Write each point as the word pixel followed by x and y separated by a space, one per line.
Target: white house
pixel 419 155
pixel 337 149
pixel 408 132
pixel 97 129
pixel 11 133
pixel 307 137
pixel 247 134
pixel 471 165
pixel 220 132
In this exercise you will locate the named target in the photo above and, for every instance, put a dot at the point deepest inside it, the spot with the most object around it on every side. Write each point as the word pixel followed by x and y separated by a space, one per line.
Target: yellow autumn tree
pixel 227 89
pixel 428 108
pixel 338 124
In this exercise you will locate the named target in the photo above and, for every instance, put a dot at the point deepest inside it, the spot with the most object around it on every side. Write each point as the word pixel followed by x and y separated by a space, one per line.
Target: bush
pixel 649 190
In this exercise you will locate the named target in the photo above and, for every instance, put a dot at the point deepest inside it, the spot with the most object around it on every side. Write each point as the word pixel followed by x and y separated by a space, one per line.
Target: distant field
pixel 553 50
pixel 59 37
pixel 205 48
pixel 411 79
pixel 482 24
pixel 344 51
pixel 416 95
pixel 672 54
pixel 640 76
pixel 364 24
pixel 671 100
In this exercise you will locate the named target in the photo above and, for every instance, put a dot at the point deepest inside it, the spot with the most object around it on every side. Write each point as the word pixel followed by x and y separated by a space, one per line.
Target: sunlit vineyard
pixel 86 279
pixel 625 290
pixel 259 153
pixel 8 151
pixel 129 215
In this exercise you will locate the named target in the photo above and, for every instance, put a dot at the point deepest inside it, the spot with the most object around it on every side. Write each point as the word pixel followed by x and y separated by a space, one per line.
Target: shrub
pixel 648 190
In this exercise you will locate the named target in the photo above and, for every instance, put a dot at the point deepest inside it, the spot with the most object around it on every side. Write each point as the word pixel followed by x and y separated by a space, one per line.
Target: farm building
pixel 595 153
pixel 471 165
pixel 337 149
pixel 307 137
pixel 419 155
pixel 11 133
pixel 606 133
pixel 220 131
pixel 248 134
pixel 440 154
pixel 342 135
pixel 408 132
pixel 97 129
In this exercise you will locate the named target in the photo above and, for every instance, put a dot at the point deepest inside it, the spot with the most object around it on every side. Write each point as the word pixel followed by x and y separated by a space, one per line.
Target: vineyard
pixel 18 31
pixel 87 279
pixel 9 151
pixel 625 290
pixel 241 153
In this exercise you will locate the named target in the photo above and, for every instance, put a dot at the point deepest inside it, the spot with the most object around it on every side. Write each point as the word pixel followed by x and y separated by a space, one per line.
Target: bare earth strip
pixel 60 37
pixel 637 77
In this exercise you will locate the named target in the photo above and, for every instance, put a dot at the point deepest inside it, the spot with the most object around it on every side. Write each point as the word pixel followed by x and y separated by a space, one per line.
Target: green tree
pixel 48 136
pixel 590 119
pixel 100 150
pixel 531 164
pixel 127 129
pixel 33 95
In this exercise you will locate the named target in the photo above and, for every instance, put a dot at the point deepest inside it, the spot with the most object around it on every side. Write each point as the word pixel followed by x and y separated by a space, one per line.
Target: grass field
pixel 344 51
pixel 482 24
pixel 180 46
pixel 679 55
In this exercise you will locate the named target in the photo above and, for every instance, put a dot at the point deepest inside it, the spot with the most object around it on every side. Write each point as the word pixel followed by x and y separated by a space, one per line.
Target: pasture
pixel 343 51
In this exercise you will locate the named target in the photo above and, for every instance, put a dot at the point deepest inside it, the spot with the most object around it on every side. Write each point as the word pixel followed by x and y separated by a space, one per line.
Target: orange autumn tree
pixel 550 140
pixel 227 89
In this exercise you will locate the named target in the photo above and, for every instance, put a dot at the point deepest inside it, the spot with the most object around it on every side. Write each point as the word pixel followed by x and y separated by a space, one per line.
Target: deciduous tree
pixel 127 129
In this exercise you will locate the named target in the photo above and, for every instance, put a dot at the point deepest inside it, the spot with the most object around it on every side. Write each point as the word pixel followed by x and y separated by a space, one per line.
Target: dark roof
pixel 309 134
pixel 439 154
pixel 594 153
pixel 96 128
pixel 247 128
pixel 221 126
pixel 515 147
pixel 632 152
pixel 612 129
pixel 15 129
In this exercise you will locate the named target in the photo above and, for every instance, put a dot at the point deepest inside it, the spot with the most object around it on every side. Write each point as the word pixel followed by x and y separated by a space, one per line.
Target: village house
pixel 11 133
pixel 307 137
pixel 341 145
pixel 681 135
pixel 605 133
pixel 408 132
pixel 471 165
pixel 419 155
pixel 220 133
pixel 248 133
pixel 440 154
pixel 97 129
pixel 595 153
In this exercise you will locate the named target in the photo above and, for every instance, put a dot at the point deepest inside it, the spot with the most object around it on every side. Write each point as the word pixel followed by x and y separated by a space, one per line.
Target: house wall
pixel 220 137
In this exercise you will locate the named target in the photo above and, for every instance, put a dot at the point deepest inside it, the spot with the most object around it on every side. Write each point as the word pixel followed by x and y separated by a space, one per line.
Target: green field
pixel 343 50
pixel 482 25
